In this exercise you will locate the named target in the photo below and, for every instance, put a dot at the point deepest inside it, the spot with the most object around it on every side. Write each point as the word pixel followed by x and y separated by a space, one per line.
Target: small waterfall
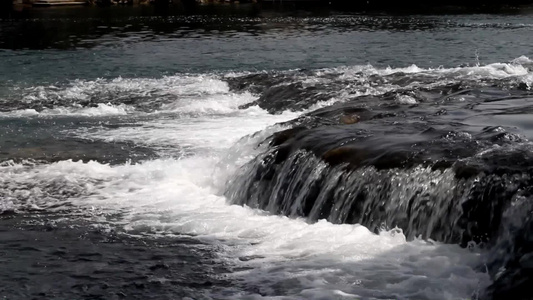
pixel 432 160
pixel 431 203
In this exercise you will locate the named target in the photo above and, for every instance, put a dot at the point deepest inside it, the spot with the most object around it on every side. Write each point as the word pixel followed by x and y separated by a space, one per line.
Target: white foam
pixel 522 60
pixel 490 71
pixel 177 93
pixel 283 257
pixel 99 110
pixel 203 134
pixel 7 205
pixel 183 95
pixel 141 87
pixel 223 103
pixel 406 99
pixel 360 82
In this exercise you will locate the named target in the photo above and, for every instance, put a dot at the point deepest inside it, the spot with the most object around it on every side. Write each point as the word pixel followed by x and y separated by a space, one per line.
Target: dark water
pixel 44 257
pixel 402 154
pixel 95 42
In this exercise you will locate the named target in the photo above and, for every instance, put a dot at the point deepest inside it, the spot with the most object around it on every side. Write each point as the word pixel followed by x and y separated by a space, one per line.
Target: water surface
pixel 123 128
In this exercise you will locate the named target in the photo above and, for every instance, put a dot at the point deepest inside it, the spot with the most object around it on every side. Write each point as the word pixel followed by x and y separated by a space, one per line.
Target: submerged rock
pixel 349 119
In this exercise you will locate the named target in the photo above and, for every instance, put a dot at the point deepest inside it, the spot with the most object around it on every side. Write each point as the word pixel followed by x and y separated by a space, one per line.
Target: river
pixel 141 155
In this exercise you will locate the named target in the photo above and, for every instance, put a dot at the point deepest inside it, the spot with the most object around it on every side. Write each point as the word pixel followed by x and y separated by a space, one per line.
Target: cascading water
pixel 430 171
pixel 420 201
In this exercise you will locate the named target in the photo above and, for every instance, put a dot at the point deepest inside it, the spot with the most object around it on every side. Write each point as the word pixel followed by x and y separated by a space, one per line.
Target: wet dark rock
pixel 254 83
pixel 465 171
pixel 345 154
pixel 282 136
pixel 435 169
pixel 293 96
pixel 442 165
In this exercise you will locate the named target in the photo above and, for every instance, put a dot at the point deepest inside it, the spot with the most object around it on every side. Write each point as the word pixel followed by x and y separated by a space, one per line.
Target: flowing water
pixel 199 155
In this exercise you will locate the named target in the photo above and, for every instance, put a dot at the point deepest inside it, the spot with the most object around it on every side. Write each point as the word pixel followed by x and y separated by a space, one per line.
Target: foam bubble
pixel 522 60
pixel 101 109
pixel 79 90
pixel 209 105
pixel 494 70
pixel 406 99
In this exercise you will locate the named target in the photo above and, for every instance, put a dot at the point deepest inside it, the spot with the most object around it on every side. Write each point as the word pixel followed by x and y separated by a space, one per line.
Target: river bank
pixel 315 7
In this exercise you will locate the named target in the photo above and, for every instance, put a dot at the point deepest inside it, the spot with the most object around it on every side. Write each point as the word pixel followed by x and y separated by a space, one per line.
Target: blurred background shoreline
pixel 14 9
